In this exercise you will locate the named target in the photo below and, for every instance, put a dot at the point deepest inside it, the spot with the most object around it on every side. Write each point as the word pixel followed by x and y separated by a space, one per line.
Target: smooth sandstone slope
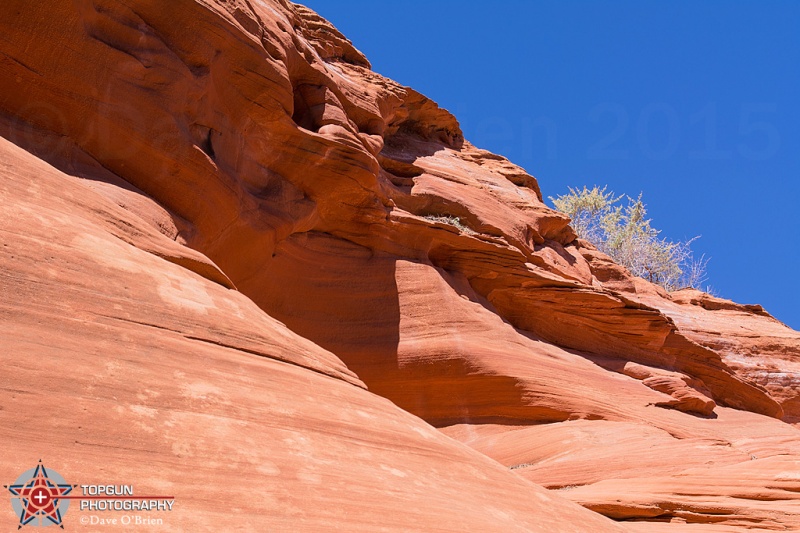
pixel 352 210
pixel 122 366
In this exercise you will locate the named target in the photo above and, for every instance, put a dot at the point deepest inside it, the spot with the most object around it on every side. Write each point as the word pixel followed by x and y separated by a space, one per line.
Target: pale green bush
pixel 623 232
pixel 452 221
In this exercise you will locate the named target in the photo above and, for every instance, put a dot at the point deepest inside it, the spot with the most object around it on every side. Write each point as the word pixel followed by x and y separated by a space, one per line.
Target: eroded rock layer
pixel 244 253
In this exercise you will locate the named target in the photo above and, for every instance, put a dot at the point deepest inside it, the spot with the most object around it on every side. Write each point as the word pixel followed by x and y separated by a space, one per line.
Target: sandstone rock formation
pixel 235 257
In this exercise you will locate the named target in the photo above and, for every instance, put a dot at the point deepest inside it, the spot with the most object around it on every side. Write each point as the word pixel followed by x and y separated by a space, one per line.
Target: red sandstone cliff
pixel 224 265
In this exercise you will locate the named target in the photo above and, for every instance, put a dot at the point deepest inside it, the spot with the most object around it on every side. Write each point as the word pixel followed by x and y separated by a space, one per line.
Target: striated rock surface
pixel 234 251
pixel 122 365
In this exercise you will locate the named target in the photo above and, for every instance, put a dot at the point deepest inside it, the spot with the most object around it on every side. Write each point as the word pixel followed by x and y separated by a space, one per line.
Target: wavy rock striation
pixel 220 227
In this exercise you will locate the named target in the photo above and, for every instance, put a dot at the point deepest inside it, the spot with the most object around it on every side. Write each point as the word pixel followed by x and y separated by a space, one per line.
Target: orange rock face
pixel 233 251
pixel 119 363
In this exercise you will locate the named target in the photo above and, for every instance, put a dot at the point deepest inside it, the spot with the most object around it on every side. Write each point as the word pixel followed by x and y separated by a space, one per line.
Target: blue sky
pixel 694 104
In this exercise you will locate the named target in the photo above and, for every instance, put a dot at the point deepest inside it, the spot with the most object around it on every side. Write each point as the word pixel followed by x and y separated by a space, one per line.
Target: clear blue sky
pixel 694 104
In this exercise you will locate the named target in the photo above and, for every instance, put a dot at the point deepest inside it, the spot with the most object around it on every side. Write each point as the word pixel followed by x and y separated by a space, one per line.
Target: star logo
pixel 37 497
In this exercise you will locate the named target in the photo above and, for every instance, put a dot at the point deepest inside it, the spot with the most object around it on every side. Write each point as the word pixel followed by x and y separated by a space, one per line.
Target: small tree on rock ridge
pixel 623 232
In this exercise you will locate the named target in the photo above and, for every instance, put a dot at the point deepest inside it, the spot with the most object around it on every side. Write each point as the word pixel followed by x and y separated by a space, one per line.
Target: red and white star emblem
pixel 39 497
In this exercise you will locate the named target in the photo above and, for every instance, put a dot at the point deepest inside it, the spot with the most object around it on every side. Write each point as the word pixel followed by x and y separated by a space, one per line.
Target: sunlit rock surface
pixel 233 256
